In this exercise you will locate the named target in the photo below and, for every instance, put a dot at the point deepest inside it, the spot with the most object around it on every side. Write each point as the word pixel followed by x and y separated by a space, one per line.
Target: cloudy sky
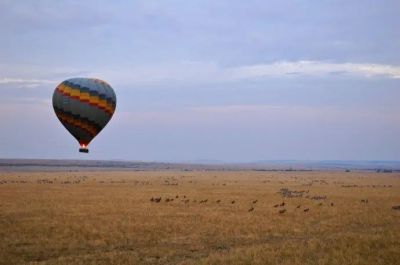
pixel 207 80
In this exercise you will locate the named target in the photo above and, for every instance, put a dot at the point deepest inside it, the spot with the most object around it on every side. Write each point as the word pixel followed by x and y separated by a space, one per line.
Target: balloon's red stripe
pixel 87 128
pixel 108 109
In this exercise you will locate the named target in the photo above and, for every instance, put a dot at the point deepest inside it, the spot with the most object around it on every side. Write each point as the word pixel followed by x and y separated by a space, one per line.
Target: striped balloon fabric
pixel 84 106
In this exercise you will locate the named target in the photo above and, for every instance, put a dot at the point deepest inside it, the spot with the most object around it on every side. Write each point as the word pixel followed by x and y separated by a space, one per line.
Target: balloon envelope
pixel 84 106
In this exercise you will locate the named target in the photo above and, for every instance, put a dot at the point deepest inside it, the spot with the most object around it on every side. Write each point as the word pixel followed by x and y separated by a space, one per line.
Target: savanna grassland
pixel 199 217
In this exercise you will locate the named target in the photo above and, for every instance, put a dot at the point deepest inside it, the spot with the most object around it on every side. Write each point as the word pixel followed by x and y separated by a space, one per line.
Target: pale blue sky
pixel 225 80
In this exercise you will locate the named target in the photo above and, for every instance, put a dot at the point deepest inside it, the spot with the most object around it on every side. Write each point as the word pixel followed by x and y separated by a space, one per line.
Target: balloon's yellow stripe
pixel 86 97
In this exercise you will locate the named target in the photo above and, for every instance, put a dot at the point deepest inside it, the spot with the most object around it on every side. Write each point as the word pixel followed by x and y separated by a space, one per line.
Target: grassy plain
pixel 107 217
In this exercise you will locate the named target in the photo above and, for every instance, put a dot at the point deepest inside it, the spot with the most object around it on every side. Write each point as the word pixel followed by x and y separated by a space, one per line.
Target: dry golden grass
pixel 106 217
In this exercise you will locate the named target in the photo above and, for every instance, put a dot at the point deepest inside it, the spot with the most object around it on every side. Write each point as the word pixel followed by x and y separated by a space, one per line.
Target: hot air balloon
pixel 84 106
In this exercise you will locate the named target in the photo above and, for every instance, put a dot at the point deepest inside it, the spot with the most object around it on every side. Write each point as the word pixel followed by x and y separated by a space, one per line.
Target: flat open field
pixel 199 217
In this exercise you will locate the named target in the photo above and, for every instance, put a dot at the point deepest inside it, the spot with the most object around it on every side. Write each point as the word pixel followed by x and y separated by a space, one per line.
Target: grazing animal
pixel 255 201
pixel 152 199
pixel 176 196
pixel 187 201
pixel 306 210
pixel 233 202
pixel 298 206
pixel 157 199
pixel 282 204
pixel 251 209
pixel 218 201
pixel 282 211
pixel 332 204
pixel 397 207
pixel 276 205
pixel 364 201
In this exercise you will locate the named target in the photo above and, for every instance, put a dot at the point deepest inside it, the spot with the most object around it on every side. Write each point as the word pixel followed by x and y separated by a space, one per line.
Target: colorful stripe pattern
pixel 84 106
pixel 89 127
pixel 85 95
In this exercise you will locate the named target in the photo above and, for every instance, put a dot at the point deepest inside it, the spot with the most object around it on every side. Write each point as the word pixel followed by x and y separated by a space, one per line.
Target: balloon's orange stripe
pixel 86 98
pixel 92 131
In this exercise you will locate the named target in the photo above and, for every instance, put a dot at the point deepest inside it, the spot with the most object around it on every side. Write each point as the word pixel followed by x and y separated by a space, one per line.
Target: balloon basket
pixel 83 150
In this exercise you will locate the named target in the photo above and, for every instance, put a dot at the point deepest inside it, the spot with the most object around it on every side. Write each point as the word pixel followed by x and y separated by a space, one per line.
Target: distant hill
pixel 329 165
pixel 49 164
pixel 279 165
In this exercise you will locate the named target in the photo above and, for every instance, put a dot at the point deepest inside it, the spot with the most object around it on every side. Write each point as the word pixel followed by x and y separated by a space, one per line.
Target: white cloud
pixel 31 76
pixel 205 72
pixel 189 72
pixel 314 68
pixel 27 82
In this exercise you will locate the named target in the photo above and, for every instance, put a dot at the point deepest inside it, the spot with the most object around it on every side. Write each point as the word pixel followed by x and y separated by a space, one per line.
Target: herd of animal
pixel 281 207
pixel 183 199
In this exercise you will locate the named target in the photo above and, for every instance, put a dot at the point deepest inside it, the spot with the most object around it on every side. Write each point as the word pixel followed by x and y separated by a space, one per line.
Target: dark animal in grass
pixel 255 201
pixel 306 210
pixel 332 204
pixel 218 201
pixel 364 201
pixel 152 199
pixel 282 204
pixel 251 209
pixel 276 205
pixel 233 202
pixel 298 206
pixel 282 211
pixel 157 199
pixel 176 196
pixel 397 207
